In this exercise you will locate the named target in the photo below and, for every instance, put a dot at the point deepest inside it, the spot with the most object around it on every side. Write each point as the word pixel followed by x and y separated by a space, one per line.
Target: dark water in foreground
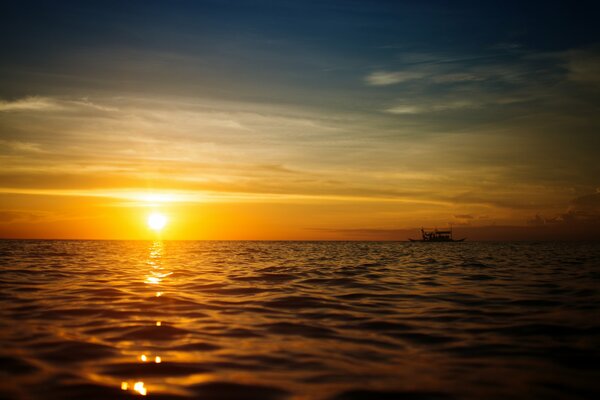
pixel 300 320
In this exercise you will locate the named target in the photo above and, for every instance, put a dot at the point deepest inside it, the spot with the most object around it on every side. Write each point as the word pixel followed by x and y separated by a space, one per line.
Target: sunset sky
pixel 299 119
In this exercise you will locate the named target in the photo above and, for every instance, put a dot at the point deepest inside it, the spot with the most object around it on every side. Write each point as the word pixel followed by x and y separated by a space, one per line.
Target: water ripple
pixel 299 320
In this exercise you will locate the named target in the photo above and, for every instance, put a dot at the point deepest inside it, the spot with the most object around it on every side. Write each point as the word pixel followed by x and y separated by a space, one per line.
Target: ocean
pixel 240 320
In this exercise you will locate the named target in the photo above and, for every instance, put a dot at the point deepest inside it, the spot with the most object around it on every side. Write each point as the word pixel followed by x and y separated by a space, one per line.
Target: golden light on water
pixel 157 359
pixel 139 387
pixel 157 221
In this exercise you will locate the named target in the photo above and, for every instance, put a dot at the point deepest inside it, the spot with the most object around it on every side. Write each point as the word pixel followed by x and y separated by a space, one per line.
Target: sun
pixel 157 221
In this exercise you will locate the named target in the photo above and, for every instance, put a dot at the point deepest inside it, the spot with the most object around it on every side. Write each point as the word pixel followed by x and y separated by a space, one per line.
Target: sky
pixel 312 120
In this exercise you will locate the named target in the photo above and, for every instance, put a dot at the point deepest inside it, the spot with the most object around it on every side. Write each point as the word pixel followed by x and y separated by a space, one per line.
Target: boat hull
pixel 436 235
pixel 437 241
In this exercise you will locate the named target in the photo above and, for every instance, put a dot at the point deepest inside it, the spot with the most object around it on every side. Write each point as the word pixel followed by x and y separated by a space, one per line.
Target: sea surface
pixel 299 320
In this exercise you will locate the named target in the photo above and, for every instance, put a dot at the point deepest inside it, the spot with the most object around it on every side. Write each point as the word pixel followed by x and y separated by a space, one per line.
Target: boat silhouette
pixel 436 235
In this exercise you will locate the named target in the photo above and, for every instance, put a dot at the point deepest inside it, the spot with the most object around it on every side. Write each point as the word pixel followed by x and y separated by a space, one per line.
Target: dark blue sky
pixel 279 43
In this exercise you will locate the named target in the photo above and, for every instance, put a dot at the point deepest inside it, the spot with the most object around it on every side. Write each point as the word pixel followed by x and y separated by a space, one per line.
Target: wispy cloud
pixel 500 66
pixel 584 65
pixel 33 103
pixel 464 216
pixel 263 151
pixel 428 73
pixel 20 146
pixel 22 216
pixel 471 99
pixel 432 107
pixel 384 78
pixel 427 83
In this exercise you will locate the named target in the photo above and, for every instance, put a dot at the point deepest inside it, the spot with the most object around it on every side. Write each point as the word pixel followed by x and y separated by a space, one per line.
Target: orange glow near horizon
pixel 87 217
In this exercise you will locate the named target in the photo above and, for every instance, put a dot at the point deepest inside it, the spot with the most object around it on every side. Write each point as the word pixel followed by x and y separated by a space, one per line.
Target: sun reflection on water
pixel 154 277
pixel 153 280
pixel 140 388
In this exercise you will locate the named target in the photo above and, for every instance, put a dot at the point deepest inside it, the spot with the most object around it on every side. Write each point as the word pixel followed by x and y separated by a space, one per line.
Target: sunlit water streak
pixel 299 320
